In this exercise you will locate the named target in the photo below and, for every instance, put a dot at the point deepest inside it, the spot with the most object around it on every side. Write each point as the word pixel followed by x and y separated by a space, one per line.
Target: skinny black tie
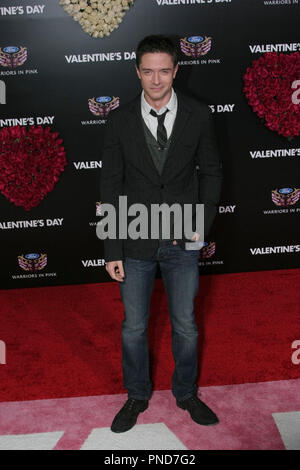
pixel 161 130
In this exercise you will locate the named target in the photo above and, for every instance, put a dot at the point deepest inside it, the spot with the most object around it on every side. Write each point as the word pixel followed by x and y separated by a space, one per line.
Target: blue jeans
pixel 180 274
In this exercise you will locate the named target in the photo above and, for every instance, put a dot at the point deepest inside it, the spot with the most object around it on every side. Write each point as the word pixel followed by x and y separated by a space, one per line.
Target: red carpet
pixel 65 341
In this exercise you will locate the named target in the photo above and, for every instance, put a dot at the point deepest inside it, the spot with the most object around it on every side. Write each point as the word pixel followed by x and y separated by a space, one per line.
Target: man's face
pixel 157 72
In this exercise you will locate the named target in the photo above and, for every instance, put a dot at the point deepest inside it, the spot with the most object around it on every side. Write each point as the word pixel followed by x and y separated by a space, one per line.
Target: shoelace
pixel 129 404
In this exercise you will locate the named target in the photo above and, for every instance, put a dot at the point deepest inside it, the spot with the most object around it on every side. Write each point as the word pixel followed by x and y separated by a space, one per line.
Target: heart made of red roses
pixel 20 187
pixel 280 115
pixel 97 18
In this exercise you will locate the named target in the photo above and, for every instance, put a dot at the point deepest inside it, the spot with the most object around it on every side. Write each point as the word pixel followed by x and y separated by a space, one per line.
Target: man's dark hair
pixel 156 43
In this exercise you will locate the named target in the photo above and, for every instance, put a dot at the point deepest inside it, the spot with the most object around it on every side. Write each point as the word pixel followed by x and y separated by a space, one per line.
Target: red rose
pixel 30 162
pixel 268 89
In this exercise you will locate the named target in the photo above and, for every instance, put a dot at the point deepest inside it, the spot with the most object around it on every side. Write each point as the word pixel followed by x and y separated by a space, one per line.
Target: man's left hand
pixel 195 237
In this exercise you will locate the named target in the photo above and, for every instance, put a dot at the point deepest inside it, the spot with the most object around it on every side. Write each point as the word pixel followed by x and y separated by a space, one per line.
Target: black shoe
pixel 200 413
pixel 127 416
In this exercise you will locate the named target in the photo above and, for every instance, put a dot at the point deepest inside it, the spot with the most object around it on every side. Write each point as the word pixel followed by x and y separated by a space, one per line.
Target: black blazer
pixel 191 174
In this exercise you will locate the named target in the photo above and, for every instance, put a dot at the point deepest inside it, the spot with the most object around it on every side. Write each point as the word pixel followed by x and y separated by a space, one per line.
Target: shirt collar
pixel 171 105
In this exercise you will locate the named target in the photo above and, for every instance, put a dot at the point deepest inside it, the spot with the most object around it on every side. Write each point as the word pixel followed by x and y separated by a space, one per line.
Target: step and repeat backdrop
pixel 65 65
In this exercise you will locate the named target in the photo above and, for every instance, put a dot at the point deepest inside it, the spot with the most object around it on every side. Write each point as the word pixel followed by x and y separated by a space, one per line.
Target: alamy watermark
pixel 296 94
pixel 296 354
pixel 2 352
pixel 2 92
pixel 186 220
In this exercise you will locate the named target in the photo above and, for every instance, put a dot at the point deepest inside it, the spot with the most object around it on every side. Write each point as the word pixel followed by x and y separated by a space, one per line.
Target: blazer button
pixel 162 186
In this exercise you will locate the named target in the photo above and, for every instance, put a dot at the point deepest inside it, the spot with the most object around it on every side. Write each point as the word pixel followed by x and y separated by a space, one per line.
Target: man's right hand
pixel 115 270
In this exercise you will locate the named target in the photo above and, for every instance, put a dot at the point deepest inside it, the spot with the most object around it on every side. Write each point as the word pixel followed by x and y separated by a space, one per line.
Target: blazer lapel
pixel 137 131
pixel 182 116
pixel 183 112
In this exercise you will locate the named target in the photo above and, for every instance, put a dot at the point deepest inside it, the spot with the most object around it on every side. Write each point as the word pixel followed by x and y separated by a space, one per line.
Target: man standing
pixel 160 148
